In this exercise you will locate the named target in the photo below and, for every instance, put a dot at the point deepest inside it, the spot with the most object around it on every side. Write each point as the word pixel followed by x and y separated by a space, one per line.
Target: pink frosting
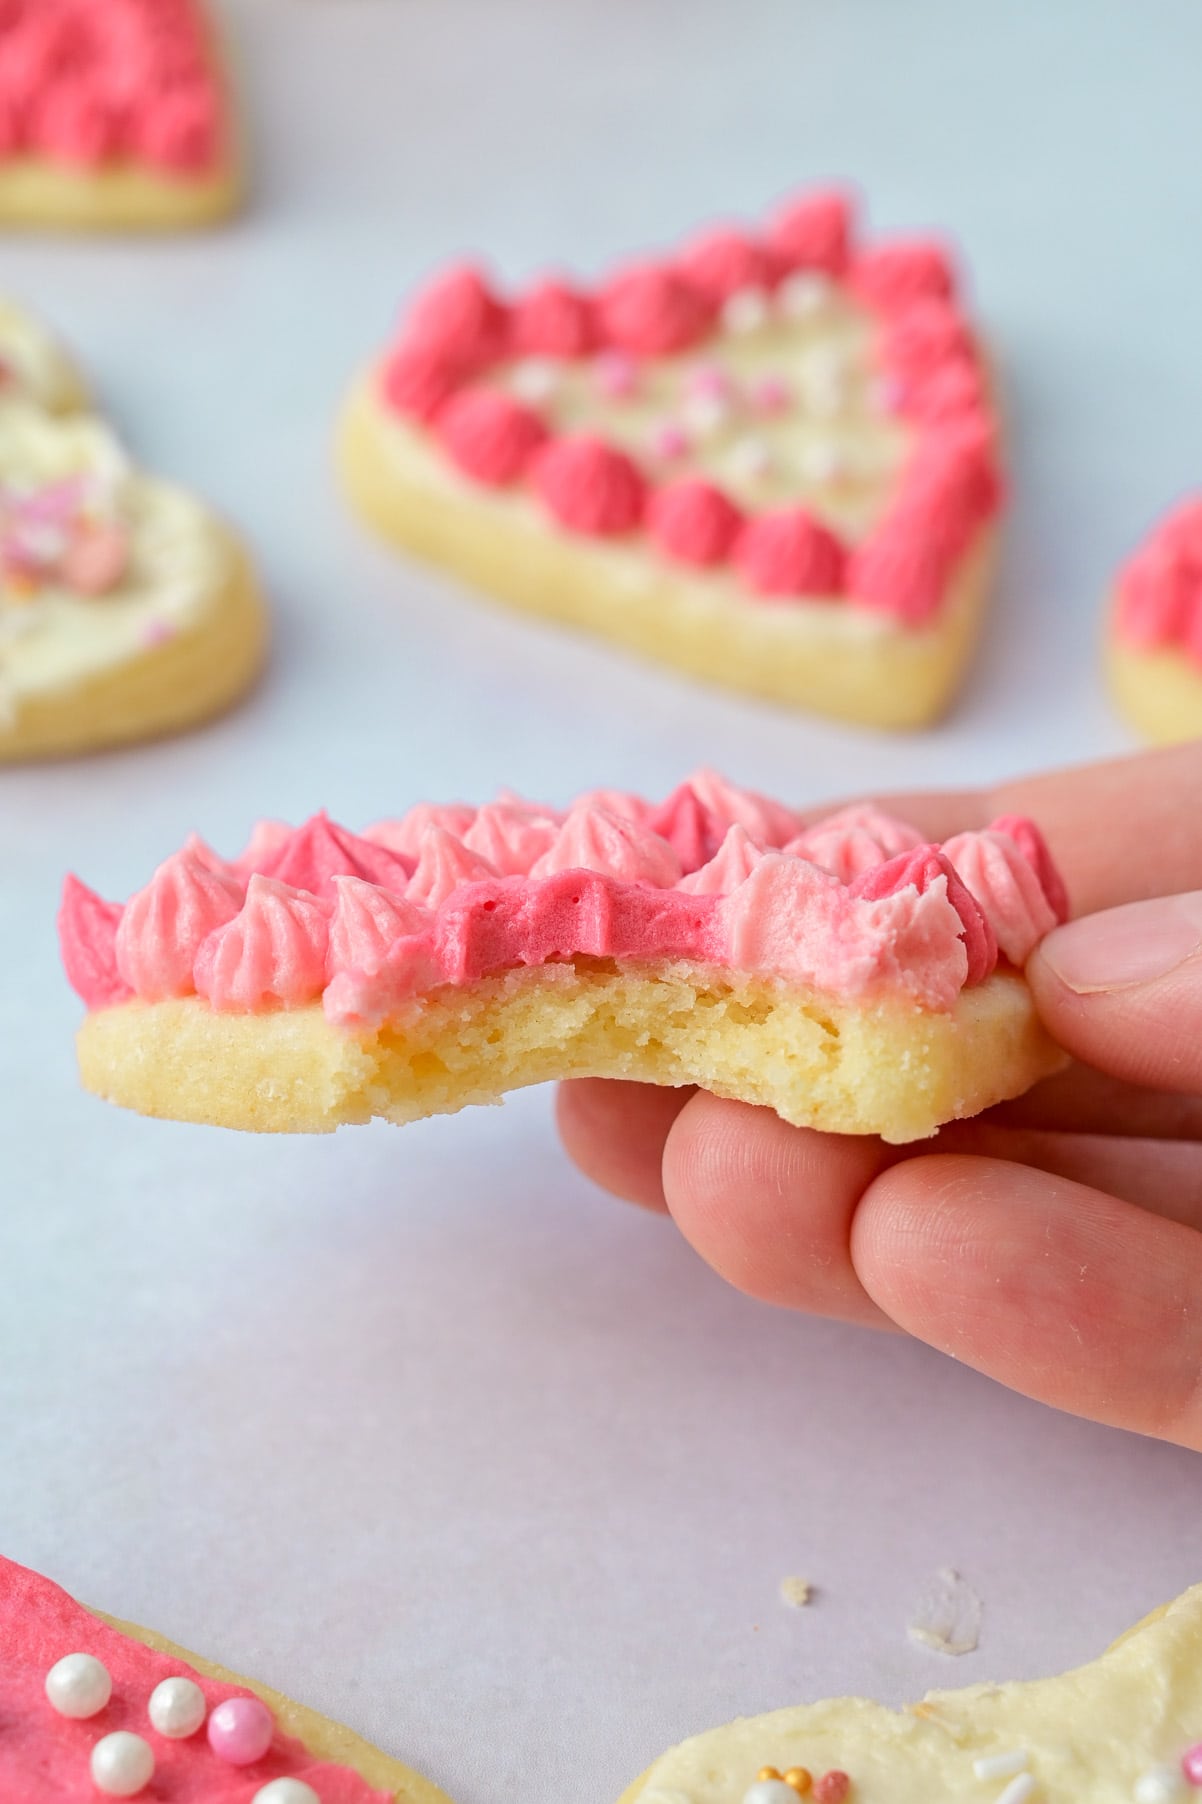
pixel 895 275
pixel 459 314
pixel 366 922
pixel 790 553
pixel 489 435
pixel 1159 600
pixel 314 854
pixel 855 903
pixel 418 379
pixel 165 924
pixel 725 260
pixel 87 936
pixel 949 490
pixel 730 866
pixel 44 1757
pixel 553 319
pixel 442 867
pixel 813 232
pixel 407 836
pixel 790 918
pixel 694 522
pixel 926 868
pixel 991 865
pixel 592 840
pixel 91 82
pixel 693 831
pixel 651 310
pixel 511 836
pixel 853 841
pixel 589 486
pixel 272 952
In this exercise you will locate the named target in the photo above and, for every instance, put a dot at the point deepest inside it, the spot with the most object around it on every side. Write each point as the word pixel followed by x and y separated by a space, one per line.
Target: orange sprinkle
pixel 768 1772
pixel 800 1778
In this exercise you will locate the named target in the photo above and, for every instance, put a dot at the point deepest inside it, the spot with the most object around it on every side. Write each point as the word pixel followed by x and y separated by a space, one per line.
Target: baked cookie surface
pixel 1154 630
pixel 74 1679
pixel 840 971
pixel 1125 1730
pixel 114 115
pixel 770 459
pixel 126 608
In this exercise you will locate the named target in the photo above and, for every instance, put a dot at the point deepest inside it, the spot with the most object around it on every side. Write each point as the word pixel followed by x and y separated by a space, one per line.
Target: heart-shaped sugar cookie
pixel 769 459
pixel 1154 629
pixel 127 609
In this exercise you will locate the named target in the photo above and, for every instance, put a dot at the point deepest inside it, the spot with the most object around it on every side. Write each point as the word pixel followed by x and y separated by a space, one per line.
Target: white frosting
pixel 55 639
pixel 33 365
pixel 1105 1734
pixel 832 445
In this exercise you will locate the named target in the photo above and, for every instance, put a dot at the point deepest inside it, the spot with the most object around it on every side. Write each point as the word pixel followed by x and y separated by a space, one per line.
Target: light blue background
pixel 419 1427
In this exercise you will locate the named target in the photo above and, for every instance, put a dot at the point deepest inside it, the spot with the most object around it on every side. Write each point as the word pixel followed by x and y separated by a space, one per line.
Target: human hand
pixel 1054 1242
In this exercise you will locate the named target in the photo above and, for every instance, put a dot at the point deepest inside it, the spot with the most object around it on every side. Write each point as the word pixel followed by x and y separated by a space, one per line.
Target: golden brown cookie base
pixel 837 659
pixel 891 1069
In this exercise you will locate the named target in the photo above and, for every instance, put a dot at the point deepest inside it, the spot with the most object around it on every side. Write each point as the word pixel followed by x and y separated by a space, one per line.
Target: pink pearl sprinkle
pixel 1191 1764
pixel 617 376
pixel 709 383
pixel 832 1788
pixel 240 1730
pixel 771 395
pixel 669 442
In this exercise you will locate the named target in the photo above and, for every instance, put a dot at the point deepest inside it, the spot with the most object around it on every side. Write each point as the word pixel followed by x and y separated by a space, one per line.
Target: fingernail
pixel 1125 946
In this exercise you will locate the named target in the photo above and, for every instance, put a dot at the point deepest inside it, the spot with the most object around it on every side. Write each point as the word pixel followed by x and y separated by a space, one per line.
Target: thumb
pixel 1122 991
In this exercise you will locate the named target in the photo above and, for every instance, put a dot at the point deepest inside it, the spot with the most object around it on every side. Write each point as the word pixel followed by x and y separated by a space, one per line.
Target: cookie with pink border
pixel 768 457
pixel 114 115
pixel 1154 629
pixel 94 1708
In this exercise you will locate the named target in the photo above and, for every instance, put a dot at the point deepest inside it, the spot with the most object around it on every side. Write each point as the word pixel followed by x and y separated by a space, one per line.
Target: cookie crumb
pixel 796 1592
pixel 948 1617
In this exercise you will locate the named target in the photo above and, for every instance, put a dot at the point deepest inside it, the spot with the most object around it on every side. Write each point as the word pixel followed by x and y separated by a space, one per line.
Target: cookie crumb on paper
pixel 948 1616
pixel 796 1592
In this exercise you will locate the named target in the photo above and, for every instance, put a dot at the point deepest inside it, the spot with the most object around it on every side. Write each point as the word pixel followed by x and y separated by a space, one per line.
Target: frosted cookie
pixel 97 1708
pixel 1154 635
pixel 769 458
pixel 1125 1730
pixel 126 608
pixel 114 114
pixel 844 972
pixel 34 366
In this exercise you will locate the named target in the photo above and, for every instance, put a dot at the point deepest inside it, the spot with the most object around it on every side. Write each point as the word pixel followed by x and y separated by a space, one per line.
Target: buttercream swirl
pixel 856 904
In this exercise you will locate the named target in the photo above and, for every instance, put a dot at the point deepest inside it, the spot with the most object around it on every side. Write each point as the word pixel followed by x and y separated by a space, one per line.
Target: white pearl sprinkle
pixel 1000 1766
pixel 1160 1785
pixel 122 1764
pixel 79 1685
pixel 751 458
pixel 705 414
pixel 177 1708
pixel 804 294
pixel 1018 1790
pixel 769 1791
pixel 285 1791
pixel 745 311
pixel 534 379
